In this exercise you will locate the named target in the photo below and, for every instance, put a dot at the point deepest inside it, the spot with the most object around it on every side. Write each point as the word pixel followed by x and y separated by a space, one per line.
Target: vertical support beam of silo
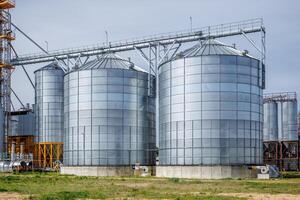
pixel 22 149
pixel 39 155
pixel 264 59
pixel 38 151
pixel 44 156
pixel 51 155
pixel 59 152
pixel 12 151
pixel 157 57
pixel 149 71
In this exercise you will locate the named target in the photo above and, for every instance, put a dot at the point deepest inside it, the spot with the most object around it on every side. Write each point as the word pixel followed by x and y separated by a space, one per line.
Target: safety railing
pixel 216 30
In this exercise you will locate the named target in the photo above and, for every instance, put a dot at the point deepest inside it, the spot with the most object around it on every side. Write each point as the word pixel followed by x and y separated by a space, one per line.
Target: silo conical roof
pixel 50 66
pixel 109 61
pixel 211 47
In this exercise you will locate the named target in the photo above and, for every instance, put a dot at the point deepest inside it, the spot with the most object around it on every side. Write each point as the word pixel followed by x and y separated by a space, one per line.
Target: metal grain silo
pixel 289 120
pixel 49 113
pixel 109 118
pixel 270 130
pixel 2 135
pixel 210 109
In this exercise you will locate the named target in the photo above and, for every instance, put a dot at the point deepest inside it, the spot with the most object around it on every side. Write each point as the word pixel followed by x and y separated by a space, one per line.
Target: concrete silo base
pixel 206 172
pixel 97 171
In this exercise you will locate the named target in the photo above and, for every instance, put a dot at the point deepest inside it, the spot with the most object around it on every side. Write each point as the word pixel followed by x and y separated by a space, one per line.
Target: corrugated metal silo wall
pixel 2 136
pixel 289 121
pixel 210 111
pixel 49 105
pixel 109 119
pixel 270 130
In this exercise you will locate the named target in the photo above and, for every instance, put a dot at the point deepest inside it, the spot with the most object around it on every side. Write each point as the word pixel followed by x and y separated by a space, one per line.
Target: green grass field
pixel 55 186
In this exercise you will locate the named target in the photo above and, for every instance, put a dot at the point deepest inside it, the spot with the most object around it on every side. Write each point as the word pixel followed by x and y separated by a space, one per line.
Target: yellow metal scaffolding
pixel 48 154
pixel 6 36
pixel 7 4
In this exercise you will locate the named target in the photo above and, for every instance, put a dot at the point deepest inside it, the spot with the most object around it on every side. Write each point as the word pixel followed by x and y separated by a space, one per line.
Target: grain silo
pixel 109 118
pixel 270 130
pixel 210 109
pixel 289 120
pixel 2 136
pixel 280 131
pixel 49 114
pixel 280 117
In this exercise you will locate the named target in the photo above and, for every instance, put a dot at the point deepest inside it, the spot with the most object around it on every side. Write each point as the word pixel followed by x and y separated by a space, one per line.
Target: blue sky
pixel 71 23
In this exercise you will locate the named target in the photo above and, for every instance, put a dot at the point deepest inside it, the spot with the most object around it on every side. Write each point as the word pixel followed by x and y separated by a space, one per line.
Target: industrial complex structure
pixel 281 139
pixel 98 114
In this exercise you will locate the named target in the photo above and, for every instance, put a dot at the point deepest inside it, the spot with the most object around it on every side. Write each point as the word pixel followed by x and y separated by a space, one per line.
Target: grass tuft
pixel 66 195
pixel 290 174
pixel 174 180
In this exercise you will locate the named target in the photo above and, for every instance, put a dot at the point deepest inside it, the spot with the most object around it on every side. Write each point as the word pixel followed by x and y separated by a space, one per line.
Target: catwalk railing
pixel 217 31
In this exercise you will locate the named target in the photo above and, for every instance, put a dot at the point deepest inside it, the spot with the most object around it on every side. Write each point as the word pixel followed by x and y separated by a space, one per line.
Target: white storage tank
pixel 270 121
pixel 289 120
pixel 280 117
pixel 211 113
pixel 49 103
pixel 109 118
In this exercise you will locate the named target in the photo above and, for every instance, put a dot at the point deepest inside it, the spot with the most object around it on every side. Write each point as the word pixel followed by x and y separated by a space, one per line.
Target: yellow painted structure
pixel 26 141
pixel 47 154
pixel 7 4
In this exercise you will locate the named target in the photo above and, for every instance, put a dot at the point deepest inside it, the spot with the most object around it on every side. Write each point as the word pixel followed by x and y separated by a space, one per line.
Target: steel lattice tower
pixel 6 36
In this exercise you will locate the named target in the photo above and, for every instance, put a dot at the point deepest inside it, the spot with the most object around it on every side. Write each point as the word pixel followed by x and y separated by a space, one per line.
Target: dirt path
pixel 256 196
pixel 11 196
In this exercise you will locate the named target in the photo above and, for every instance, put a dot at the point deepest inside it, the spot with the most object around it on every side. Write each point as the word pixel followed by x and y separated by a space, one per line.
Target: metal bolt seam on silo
pixel 210 109
pixel 49 115
pixel 109 118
